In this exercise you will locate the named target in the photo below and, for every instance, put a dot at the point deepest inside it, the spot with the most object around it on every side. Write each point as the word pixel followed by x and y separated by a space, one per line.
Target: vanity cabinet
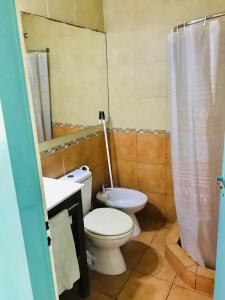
pixel 73 203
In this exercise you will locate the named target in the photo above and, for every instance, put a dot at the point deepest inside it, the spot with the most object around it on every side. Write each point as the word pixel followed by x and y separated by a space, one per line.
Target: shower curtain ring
pixel 205 20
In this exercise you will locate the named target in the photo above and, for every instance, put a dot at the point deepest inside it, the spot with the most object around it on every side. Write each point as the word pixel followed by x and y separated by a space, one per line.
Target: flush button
pixel 70 176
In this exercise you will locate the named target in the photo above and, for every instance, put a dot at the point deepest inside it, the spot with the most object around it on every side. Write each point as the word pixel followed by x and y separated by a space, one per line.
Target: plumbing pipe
pixel 102 121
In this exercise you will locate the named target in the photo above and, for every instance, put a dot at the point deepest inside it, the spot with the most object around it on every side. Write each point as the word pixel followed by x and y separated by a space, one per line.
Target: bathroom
pixel 64 62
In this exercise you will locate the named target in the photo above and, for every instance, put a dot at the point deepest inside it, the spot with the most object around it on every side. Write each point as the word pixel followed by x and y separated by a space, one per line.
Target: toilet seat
pixel 108 222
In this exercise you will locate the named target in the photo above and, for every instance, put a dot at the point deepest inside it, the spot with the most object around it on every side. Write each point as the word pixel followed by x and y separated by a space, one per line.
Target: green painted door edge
pixel 219 290
pixel 11 235
pixel 16 113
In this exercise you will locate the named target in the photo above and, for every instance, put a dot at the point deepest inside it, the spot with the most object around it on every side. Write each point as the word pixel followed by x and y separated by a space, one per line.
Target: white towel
pixel 64 252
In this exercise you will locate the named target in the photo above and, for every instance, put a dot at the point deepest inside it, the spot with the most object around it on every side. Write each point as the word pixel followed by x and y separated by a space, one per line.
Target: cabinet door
pixel 23 186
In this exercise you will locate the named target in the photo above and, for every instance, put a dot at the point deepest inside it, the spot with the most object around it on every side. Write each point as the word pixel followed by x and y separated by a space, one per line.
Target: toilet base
pixel 137 228
pixel 107 261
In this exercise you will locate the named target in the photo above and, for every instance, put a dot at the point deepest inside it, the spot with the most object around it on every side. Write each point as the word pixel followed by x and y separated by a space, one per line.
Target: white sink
pixel 56 191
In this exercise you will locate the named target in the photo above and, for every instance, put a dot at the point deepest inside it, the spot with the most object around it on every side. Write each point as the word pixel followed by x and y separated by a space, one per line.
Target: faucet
pixel 103 187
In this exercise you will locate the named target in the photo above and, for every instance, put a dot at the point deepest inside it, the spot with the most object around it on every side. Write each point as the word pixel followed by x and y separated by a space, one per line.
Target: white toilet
pixel 106 229
pixel 128 200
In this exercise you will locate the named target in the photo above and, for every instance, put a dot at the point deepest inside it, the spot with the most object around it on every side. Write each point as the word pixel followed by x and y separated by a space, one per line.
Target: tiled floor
pixel 149 275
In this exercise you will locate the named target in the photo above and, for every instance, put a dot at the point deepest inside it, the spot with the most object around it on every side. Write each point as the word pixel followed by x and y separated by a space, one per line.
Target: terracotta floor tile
pixel 181 283
pixel 155 264
pixel 132 252
pixel 97 296
pixel 159 241
pixel 146 237
pixel 181 293
pixel 141 287
pixel 107 284
pixel 147 223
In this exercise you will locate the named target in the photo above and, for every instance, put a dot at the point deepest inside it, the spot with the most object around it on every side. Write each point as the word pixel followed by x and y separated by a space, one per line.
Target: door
pixel 219 291
pixel 24 247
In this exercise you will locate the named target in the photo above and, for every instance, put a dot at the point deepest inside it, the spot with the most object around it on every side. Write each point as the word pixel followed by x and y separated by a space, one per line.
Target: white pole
pixel 102 120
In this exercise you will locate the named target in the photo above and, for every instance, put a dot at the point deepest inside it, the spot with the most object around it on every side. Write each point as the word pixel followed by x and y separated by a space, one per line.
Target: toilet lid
pixel 108 221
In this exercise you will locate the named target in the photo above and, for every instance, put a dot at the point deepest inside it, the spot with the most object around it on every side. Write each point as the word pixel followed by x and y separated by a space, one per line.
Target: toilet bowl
pixel 107 229
pixel 127 200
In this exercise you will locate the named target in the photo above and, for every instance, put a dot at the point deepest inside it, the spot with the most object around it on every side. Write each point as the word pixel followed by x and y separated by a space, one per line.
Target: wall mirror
pixel 67 68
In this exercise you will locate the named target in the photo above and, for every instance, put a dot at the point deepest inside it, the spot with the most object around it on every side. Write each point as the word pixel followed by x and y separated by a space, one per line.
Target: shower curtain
pixel 39 80
pixel 197 97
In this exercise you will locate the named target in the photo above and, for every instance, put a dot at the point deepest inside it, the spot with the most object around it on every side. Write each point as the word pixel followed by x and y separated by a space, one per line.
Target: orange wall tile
pixel 58 131
pixel 143 161
pixel 151 148
pixel 90 152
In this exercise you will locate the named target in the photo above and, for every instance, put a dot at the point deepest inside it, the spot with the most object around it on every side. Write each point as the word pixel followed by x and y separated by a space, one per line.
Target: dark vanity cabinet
pixel 74 206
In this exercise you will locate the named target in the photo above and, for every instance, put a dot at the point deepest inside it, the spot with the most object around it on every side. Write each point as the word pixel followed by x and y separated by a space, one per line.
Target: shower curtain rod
pixel 47 50
pixel 192 22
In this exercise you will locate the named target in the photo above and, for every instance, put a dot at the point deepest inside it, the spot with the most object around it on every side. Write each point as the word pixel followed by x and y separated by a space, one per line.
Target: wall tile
pixel 120 46
pixel 62 10
pixel 168 149
pixel 151 148
pixel 215 6
pixel 170 209
pixel 152 113
pixel 127 174
pixel 169 180
pixel 152 48
pixel 89 14
pixel 119 15
pixel 119 112
pixel 124 145
pixel 185 10
pixel 72 157
pixel 150 80
pixel 121 80
pixel 148 13
pixel 158 205
pixel 52 165
pixel 38 7
pixel 98 177
pixel 151 178
pixel 115 175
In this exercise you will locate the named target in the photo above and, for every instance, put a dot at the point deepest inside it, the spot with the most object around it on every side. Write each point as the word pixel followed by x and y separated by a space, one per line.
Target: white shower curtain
pixel 39 79
pixel 197 96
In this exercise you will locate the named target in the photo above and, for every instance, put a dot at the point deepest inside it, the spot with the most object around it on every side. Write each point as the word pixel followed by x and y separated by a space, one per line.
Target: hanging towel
pixel 64 251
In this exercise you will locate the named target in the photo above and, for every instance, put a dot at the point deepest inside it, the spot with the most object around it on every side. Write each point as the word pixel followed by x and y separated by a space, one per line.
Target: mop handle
pixel 102 121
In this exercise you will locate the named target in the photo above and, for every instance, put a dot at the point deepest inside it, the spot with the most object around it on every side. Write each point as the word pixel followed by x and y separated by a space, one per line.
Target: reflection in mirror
pixel 68 74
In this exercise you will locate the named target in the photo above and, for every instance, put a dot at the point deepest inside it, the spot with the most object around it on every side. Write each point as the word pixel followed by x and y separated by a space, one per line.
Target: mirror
pixel 67 68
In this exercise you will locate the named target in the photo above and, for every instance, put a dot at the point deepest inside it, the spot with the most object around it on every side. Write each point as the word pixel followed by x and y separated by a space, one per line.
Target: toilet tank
pixel 84 176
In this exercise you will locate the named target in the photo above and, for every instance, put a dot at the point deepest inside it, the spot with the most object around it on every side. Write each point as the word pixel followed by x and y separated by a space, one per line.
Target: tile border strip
pixel 95 134
pixel 70 125
pixel 133 130
pixel 70 143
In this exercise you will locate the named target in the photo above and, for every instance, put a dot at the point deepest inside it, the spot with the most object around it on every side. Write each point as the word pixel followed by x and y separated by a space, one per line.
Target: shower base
pixel 195 276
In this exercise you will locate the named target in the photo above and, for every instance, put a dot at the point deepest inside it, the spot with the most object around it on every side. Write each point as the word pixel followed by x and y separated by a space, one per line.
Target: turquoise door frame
pixel 23 162
pixel 219 290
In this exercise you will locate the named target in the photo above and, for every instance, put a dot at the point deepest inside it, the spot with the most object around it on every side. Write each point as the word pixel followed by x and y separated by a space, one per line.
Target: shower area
pixel 196 55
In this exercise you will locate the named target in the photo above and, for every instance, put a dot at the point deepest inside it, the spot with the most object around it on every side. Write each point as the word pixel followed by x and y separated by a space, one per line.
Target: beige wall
pixel 77 64
pixel 85 13
pixel 137 54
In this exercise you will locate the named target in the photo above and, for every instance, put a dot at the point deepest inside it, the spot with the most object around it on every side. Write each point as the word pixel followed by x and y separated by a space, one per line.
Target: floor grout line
pixel 125 283
pixel 171 286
